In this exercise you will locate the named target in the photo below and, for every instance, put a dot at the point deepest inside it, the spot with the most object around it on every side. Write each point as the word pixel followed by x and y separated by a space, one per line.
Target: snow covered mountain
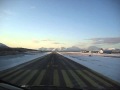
pixel 93 48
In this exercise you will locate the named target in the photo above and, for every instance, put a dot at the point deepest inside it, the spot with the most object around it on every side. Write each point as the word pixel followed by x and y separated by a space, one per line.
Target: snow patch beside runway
pixel 108 66
pixel 14 60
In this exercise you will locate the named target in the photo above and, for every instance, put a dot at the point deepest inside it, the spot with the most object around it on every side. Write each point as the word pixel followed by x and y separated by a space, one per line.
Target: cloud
pixel 36 41
pixel 108 40
pixel 84 44
pixel 57 43
pixel 46 40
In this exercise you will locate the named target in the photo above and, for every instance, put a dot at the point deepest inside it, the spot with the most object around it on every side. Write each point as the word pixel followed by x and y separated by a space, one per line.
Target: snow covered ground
pixel 108 66
pixel 13 60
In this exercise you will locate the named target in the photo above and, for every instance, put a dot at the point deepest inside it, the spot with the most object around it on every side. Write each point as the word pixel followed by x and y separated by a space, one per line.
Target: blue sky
pixel 60 23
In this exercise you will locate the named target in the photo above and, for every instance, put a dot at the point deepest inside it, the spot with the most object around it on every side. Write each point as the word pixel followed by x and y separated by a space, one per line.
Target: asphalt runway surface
pixel 56 70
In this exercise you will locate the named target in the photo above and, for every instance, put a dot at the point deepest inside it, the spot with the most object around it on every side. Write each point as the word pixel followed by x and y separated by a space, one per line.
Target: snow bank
pixel 13 60
pixel 108 66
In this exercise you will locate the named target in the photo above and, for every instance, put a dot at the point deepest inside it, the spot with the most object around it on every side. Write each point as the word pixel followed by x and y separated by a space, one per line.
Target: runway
pixel 56 70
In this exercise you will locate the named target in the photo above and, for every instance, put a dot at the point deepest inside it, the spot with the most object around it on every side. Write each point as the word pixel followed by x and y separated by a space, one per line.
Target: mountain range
pixel 93 48
pixel 68 49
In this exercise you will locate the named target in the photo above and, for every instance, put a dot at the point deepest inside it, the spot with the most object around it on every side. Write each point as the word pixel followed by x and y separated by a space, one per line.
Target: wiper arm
pixel 50 87
pixel 8 86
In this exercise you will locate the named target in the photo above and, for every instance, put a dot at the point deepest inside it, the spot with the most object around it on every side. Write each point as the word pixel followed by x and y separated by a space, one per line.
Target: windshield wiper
pixel 8 86
pixel 49 87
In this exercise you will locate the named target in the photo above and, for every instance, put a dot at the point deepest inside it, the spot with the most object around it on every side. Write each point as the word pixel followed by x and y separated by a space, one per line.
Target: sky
pixel 60 23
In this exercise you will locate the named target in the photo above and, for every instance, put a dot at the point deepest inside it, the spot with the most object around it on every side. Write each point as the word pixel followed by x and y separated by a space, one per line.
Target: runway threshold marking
pixel 28 78
pixel 98 78
pixel 12 75
pixel 67 79
pixel 16 68
pixel 39 78
pixel 56 80
pixel 93 83
pixel 79 81
pixel 8 73
pixel 108 79
pixel 20 76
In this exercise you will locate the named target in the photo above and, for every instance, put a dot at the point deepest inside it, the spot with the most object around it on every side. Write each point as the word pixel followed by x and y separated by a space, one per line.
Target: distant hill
pixel 3 45
pixel 5 50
